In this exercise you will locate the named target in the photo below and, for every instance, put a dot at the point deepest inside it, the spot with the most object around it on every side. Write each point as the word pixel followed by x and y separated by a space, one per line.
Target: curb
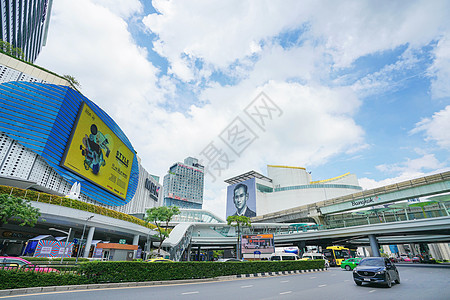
pixel 63 288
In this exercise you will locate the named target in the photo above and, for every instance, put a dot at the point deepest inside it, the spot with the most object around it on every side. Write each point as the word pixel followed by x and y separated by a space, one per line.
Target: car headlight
pixel 381 272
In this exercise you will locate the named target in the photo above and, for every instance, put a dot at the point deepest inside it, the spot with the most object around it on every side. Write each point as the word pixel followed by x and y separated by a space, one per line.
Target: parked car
pixel 416 259
pixel 378 270
pixel 350 264
pixel 13 263
pixel 406 258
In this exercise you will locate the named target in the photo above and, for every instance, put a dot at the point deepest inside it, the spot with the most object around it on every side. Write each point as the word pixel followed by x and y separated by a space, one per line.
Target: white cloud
pixel 436 128
pixel 123 9
pixel 440 69
pixel 92 42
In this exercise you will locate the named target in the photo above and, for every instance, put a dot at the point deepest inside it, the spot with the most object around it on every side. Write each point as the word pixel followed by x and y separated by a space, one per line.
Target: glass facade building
pixel 25 25
pixel 36 123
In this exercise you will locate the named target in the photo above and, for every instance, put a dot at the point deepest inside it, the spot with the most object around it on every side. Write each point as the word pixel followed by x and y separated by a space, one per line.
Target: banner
pixel 241 198
pixel 257 242
pixel 53 249
pixel 95 153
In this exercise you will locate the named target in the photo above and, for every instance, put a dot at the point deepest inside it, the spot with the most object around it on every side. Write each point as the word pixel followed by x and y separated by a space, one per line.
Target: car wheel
pixel 359 283
pixel 348 268
pixel 388 281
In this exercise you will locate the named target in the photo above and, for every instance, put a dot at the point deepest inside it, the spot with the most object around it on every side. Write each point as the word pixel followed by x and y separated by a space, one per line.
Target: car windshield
pixel 372 262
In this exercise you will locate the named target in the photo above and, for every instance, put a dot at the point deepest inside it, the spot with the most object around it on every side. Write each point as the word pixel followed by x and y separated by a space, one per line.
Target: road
pixel 417 282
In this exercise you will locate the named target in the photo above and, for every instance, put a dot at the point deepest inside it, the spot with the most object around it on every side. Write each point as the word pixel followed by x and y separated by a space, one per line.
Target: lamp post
pixel 82 237
pixel 65 244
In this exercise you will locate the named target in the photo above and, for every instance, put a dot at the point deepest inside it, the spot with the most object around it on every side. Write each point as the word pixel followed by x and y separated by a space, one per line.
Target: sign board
pixel 257 252
pixel 75 241
pixel 263 243
pixel 122 241
pixel 95 153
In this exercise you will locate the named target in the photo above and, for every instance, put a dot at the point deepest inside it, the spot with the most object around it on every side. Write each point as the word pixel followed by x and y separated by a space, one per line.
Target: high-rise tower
pixel 183 184
pixel 25 25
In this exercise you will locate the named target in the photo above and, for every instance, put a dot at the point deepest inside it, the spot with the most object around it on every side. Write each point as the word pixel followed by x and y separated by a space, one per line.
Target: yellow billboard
pixel 95 153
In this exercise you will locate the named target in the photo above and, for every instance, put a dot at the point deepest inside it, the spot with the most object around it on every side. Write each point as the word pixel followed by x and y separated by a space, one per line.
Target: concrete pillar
pixel 89 241
pixel 189 253
pixel 135 242
pixel 374 245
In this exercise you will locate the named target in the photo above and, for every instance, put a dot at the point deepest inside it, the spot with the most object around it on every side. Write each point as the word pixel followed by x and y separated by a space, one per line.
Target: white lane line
pixel 312 277
pixel 371 291
pixel 322 285
pixel 284 293
pixel 246 286
pixel 284 281
pixel 189 293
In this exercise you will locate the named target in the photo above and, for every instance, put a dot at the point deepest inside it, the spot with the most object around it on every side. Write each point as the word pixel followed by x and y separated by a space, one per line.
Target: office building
pixel 183 184
pixel 25 25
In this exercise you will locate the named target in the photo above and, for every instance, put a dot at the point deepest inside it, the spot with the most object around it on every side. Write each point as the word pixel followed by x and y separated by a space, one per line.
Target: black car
pixel 376 270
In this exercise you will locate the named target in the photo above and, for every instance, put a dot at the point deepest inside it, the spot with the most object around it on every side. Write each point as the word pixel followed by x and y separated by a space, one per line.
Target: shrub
pixel 102 272
pixel 22 279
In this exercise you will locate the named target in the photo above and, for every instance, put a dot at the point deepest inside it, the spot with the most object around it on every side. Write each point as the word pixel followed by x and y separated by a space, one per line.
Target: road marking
pixel 246 286
pixel 312 277
pixel 284 281
pixel 322 285
pixel 371 291
pixel 189 293
pixel 284 293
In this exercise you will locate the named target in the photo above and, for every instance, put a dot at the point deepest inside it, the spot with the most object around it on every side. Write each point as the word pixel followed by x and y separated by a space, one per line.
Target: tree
pixel 11 50
pixel 239 222
pixel 12 207
pixel 75 83
pixel 159 216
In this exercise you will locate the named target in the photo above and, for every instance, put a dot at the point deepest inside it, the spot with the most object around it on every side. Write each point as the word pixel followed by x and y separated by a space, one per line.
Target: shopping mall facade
pixel 52 136
pixel 286 187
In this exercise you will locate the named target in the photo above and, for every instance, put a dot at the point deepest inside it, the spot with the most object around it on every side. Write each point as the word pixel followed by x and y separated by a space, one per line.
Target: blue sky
pixel 361 88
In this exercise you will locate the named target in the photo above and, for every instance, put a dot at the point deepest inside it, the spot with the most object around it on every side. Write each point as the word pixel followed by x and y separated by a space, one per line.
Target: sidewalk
pixel 47 289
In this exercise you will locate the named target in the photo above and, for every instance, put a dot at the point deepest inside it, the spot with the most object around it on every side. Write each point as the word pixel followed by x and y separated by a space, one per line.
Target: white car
pixel 308 256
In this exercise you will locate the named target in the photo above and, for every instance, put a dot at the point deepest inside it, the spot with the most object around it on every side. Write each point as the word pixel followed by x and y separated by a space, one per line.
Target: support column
pixel 198 253
pixel 374 245
pixel 135 242
pixel 89 241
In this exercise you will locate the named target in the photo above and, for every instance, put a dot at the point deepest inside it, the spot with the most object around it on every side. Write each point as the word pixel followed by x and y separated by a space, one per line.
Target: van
pixel 308 256
pixel 283 256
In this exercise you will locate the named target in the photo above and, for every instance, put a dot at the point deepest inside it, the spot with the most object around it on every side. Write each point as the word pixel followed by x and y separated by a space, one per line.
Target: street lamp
pixel 82 237
pixel 65 244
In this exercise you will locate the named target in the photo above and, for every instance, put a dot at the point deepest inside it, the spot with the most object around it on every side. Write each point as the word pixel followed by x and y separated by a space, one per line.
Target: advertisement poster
pixel 47 248
pixel 95 153
pixel 241 199
pixel 257 242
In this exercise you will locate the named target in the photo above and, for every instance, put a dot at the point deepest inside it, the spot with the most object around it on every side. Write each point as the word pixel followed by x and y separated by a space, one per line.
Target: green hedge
pixel 23 279
pixel 100 272
pixel 76 204
pixel 104 272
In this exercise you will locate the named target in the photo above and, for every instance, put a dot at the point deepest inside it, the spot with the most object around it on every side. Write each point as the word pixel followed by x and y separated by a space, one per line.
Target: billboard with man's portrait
pixel 95 153
pixel 241 198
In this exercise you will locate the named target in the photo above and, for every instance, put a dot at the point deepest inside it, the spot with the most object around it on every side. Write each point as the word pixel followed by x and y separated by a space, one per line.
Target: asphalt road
pixel 417 282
